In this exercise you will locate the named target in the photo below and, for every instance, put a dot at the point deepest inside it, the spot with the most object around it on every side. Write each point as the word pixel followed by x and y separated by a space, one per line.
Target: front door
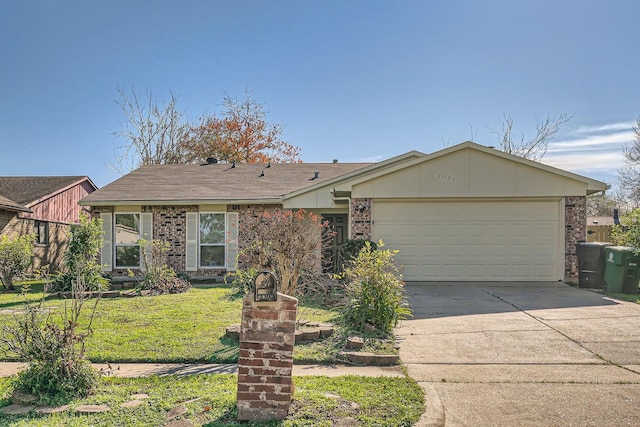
pixel 331 255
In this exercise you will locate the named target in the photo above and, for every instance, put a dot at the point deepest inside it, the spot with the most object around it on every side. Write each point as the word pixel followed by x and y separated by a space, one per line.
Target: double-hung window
pixel 127 233
pixel 212 240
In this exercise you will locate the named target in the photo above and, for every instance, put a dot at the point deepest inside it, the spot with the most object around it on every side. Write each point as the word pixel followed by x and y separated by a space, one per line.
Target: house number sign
pixel 265 287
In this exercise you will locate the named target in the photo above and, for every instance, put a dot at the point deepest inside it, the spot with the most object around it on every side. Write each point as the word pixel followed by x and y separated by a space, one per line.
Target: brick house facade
pixel 402 199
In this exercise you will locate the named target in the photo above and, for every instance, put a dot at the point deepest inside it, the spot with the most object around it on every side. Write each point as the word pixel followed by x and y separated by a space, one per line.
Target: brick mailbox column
pixel 267 335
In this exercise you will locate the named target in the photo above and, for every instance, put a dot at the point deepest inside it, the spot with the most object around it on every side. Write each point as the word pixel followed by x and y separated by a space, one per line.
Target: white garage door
pixel 480 240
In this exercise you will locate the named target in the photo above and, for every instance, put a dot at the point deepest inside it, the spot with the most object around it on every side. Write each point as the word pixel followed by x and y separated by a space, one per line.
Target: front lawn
pixel 210 401
pixel 186 327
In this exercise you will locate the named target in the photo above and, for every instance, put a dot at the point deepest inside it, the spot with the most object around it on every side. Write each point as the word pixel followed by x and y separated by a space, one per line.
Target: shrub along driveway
pixel 525 354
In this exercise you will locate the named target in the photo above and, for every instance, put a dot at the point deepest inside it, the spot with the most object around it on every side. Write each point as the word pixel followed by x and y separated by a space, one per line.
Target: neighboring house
pixel 44 206
pixel 467 212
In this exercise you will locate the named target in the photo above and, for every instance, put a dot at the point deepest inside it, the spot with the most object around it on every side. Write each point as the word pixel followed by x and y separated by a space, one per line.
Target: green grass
pixel 317 401
pixel 624 297
pixel 186 327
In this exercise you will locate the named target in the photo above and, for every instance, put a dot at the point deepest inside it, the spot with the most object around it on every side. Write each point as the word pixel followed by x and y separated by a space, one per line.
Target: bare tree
pixel 152 133
pixel 534 148
pixel 629 173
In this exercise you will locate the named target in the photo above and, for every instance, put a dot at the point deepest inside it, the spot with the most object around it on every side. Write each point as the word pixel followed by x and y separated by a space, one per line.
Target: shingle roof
pixel 10 205
pixel 26 190
pixel 216 182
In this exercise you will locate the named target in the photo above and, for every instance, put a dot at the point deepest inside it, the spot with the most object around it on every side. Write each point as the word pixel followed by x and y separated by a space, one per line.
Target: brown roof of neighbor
pixel 10 205
pixel 216 182
pixel 26 190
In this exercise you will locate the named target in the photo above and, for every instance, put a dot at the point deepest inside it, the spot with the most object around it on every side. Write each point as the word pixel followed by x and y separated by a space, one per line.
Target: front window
pixel 127 234
pixel 212 240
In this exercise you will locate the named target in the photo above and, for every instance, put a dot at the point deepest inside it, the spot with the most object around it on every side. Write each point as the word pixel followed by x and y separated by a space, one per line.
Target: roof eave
pixel 266 201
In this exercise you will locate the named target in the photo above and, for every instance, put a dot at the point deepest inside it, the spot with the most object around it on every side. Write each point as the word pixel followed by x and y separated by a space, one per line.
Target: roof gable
pixel 472 170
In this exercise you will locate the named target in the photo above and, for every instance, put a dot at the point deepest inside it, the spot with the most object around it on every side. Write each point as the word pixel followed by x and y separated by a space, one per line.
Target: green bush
pixel 352 247
pixel 15 258
pixel 628 233
pixel 375 290
pixel 81 257
pixel 53 346
pixel 159 278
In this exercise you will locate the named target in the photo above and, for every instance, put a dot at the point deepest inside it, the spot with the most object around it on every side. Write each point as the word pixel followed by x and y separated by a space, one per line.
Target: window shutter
pixel 191 253
pixel 232 240
pixel 146 233
pixel 106 252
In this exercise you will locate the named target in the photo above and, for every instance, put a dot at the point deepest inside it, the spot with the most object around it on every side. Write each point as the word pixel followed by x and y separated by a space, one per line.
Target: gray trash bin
pixel 591 264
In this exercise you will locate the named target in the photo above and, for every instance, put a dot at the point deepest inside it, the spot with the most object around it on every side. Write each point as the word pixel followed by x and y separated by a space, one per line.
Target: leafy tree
pixel 158 133
pixel 15 257
pixel 628 232
pixel 241 135
pixel 530 148
pixel 629 173
pixel 283 241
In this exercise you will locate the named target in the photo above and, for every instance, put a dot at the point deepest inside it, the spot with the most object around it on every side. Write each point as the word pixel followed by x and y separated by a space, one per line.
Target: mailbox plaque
pixel 264 286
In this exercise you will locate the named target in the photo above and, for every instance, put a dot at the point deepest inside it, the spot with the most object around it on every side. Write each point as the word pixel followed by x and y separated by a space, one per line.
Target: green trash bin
pixel 622 269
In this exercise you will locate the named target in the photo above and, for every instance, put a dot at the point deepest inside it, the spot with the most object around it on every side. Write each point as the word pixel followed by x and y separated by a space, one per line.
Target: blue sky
pixel 352 80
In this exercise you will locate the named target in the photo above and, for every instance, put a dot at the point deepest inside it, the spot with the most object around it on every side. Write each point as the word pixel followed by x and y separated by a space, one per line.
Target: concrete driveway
pixel 522 354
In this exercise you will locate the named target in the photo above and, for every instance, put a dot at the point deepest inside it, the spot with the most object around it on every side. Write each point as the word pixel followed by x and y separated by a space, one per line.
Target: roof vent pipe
pixel 269 164
pixel 233 164
pixel 211 160
pixel 316 175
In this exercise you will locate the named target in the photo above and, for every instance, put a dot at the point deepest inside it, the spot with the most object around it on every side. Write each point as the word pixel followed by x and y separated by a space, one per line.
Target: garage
pixel 519 240
pixel 464 213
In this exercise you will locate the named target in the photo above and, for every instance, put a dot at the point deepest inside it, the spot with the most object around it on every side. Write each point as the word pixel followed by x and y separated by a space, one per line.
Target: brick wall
pixel 361 219
pixel 265 363
pixel 170 225
pixel 48 256
pixel 575 222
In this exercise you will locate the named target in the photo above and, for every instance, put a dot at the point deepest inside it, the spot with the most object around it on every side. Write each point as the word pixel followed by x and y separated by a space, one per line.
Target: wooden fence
pixel 599 233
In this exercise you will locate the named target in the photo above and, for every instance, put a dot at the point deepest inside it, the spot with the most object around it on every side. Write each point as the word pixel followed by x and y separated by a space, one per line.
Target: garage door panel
pixel 497 240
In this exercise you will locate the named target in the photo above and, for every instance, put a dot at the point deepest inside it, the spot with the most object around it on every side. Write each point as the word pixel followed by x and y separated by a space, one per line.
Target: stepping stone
pixel 176 411
pixel 354 343
pixel 91 409
pixel 180 423
pixel 326 331
pixel 346 422
pixel 139 396
pixel 386 359
pixel 132 404
pixel 359 357
pixel 45 410
pixel 16 409
pixel 21 398
pixel 310 334
pixel 233 332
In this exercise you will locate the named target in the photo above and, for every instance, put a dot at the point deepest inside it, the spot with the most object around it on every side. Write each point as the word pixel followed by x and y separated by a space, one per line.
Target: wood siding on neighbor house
pixel 61 207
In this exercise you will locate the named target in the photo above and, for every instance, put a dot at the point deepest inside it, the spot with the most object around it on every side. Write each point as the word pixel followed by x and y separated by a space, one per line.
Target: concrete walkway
pixel 147 369
pixel 522 354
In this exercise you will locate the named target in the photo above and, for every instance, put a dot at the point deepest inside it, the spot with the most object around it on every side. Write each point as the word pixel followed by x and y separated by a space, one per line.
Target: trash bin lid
pixel 619 254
